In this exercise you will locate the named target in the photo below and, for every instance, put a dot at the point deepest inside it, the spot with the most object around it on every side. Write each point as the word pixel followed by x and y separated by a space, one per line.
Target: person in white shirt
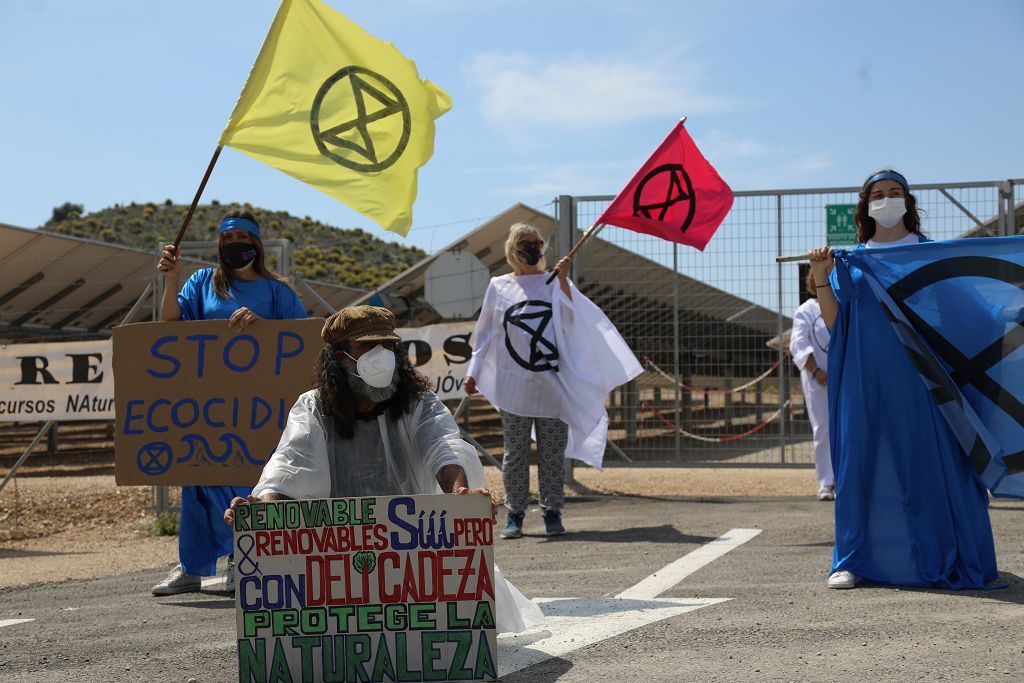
pixel 524 251
pixel 808 344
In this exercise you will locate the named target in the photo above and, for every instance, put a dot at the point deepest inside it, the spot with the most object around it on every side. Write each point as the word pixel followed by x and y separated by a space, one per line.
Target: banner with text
pixel 59 381
pixel 366 589
pixel 198 403
pixel 441 353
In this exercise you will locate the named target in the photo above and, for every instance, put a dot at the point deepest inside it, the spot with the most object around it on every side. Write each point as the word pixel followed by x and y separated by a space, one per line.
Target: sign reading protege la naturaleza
pixel 366 589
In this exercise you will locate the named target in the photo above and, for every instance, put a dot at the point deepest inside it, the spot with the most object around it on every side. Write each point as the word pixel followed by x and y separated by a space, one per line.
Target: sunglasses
pixel 523 244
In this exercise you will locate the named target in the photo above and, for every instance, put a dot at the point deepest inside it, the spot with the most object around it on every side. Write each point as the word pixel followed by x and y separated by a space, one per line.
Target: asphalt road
pixel 778 622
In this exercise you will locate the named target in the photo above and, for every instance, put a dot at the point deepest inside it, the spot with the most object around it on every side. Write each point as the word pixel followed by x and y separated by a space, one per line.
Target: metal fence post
pixel 675 346
pixel 566 231
pixel 783 377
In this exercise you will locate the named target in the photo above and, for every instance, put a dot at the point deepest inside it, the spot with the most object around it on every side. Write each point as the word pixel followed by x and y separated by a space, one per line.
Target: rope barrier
pixel 724 439
pixel 698 390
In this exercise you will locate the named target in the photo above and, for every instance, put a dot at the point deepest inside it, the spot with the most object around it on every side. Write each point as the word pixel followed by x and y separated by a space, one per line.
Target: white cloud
pixel 548 180
pixel 721 145
pixel 779 172
pixel 519 91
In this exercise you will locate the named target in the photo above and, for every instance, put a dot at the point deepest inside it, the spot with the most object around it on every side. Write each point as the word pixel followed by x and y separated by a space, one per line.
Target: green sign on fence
pixel 841 231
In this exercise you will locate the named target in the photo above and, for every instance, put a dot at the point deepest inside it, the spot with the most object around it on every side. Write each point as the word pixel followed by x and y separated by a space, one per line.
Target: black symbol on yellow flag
pixel 360 120
pixel 667 190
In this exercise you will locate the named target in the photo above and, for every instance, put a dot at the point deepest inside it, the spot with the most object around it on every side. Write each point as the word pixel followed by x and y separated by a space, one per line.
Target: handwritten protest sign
pixel 441 353
pixel 200 403
pixel 393 588
pixel 56 381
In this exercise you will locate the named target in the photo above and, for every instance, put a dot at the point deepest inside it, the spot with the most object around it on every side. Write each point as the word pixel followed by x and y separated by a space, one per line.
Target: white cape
pixel 538 353
pixel 414 448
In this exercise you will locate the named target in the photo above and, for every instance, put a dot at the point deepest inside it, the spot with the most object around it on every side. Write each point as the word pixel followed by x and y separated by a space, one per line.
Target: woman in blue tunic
pixel 241 290
pixel 909 509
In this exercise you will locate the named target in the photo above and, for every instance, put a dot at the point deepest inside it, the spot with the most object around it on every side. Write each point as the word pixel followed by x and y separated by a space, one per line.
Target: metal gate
pixel 719 388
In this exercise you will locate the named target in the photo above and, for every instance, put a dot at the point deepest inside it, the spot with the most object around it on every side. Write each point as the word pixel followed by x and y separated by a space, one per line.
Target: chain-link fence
pixel 712 327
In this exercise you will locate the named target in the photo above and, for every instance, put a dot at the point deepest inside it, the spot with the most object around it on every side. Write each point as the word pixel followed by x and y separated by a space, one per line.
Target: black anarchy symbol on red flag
pixel 678 190
pixel 377 103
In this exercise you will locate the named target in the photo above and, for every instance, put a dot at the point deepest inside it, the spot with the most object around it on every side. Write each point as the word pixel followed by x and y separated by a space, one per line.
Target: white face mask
pixel 376 367
pixel 887 212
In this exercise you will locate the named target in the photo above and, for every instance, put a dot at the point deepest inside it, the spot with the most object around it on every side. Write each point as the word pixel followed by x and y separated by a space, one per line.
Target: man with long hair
pixel 371 426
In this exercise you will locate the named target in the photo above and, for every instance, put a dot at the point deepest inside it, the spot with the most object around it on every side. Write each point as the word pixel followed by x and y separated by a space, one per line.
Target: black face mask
pixel 238 254
pixel 530 255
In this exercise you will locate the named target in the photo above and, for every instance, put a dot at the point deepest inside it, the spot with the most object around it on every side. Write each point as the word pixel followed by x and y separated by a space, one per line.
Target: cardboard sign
pixel 200 403
pixel 441 353
pixel 366 589
pixel 60 381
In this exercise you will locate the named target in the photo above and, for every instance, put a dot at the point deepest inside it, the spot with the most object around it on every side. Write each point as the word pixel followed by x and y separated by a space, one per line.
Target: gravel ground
pixel 57 528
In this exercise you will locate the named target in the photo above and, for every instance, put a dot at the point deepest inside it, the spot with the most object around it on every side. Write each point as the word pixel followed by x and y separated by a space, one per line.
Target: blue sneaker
pixel 553 523
pixel 513 526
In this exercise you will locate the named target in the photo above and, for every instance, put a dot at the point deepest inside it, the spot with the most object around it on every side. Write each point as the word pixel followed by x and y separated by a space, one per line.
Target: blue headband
pixel 888 175
pixel 237 223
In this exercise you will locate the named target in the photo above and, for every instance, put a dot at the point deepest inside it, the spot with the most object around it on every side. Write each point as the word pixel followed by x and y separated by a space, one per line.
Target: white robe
pixel 810 337
pixel 413 449
pixel 536 353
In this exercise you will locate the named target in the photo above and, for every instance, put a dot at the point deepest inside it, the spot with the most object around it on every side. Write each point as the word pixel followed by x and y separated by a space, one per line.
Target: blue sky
pixel 117 101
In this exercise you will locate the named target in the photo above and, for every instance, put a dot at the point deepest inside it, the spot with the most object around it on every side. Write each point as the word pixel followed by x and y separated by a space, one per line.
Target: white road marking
pixel 572 623
pixel 12 622
pixel 659 582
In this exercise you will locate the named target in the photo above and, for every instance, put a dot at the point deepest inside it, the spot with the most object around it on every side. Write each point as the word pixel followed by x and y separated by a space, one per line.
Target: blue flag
pixel 957 307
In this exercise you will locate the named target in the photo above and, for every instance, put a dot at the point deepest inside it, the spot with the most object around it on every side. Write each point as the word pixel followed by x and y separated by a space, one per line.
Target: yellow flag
pixel 340 110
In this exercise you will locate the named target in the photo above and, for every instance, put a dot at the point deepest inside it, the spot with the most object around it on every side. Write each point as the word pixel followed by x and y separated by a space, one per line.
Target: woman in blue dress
pixel 909 509
pixel 241 290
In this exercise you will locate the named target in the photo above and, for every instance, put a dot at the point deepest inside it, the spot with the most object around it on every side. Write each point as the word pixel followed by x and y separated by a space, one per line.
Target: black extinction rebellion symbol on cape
pixel 660 204
pixel 968 370
pixel 536 352
pixel 379 109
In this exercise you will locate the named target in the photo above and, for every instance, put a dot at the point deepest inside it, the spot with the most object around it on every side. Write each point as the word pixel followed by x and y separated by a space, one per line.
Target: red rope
pixel 711 391
pixel 735 437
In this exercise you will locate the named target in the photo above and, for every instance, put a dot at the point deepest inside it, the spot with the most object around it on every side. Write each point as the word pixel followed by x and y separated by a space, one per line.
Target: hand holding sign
pixel 242 318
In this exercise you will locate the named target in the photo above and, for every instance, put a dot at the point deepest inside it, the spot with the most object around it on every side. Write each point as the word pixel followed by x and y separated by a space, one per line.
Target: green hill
pixel 344 256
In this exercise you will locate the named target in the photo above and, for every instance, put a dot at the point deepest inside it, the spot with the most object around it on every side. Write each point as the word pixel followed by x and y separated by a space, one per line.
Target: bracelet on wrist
pixel 824 285
pixel 814 372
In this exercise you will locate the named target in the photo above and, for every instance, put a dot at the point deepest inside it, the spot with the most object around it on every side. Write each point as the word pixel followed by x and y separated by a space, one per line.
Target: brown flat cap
pixel 360 323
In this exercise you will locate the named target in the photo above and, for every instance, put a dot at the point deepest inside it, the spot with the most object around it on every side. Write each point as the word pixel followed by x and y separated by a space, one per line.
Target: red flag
pixel 676 195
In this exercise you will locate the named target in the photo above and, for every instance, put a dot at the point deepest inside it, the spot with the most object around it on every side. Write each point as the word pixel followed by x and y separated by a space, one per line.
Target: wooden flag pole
pixel 794 257
pixel 572 252
pixel 199 193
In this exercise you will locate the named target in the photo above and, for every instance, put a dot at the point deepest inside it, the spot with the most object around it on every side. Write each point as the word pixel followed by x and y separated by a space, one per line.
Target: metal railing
pixel 719 388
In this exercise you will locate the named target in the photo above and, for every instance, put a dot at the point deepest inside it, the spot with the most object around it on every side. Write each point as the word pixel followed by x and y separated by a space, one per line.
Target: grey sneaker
pixel 513 526
pixel 827 493
pixel 178 582
pixel 229 577
pixel 553 523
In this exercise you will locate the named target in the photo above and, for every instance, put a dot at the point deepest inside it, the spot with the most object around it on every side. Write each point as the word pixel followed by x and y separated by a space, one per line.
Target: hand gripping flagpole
pixel 572 252
pixel 199 193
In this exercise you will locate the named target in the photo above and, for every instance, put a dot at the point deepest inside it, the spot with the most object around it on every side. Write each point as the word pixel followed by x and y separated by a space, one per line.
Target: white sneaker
pixel 827 493
pixel 178 582
pixel 842 580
